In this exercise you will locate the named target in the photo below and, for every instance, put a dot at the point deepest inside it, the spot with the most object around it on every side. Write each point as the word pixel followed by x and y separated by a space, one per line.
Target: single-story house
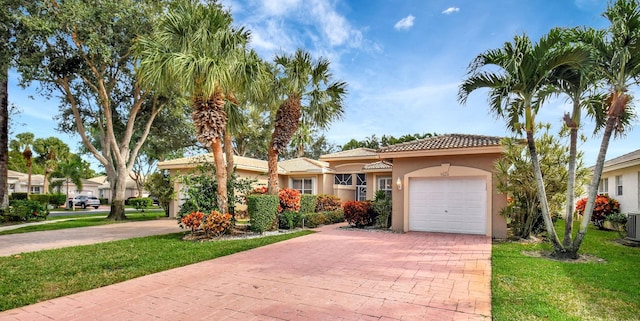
pixel 621 180
pixel 438 184
pixel 104 188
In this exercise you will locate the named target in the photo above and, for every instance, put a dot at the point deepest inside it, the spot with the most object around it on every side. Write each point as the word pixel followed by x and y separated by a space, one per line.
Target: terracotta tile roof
pixel 378 166
pixel 448 141
pixel 303 164
pixel 629 157
pixel 356 152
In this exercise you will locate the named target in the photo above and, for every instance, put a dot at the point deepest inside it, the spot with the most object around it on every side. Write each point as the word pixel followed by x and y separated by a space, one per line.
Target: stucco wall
pixel 630 198
pixel 484 162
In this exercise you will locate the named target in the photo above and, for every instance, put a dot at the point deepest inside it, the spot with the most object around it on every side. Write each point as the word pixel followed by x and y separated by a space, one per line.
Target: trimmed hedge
pixel 289 220
pixel 141 203
pixel 262 210
pixel 308 203
pixel 57 199
pixel 18 196
pixel 41 198
pixel 105 201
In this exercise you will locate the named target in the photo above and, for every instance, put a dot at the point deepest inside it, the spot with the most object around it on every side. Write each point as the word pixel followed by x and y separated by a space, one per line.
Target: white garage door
pixel 451 205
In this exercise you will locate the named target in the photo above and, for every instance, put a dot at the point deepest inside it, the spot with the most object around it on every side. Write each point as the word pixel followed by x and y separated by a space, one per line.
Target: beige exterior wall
pixel 630 179
pixel 461 166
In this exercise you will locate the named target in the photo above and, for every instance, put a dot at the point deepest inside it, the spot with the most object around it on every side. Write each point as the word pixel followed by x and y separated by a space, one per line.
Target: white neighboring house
pixel 104 188
pixel 18 183
pixel 621 180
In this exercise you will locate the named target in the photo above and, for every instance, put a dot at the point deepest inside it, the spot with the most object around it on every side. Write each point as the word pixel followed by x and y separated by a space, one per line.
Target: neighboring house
pixel 104 188
pixel 438 184
pixel 621 180
pixel 89 187
pixel 18 183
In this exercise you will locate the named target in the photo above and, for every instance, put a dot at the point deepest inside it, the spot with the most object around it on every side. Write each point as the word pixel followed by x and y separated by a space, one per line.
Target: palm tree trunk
pixel 558 249
pixel 595 180
pixel 228 152
pixel 4 137
pixel 571 180
pixel 221 175
pixel 272 162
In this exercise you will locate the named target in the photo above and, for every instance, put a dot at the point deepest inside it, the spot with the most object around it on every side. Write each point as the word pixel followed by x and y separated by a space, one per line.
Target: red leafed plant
pixel 192 220
pixel 358 213
pixel 604 206
pixel 259 190
pixel 289 200
pixel 216 224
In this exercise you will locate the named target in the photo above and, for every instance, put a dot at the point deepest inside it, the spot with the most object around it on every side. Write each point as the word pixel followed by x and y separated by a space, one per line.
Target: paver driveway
pixel 330 275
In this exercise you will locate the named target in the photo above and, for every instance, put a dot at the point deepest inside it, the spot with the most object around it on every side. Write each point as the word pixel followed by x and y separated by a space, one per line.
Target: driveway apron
pixel 331 275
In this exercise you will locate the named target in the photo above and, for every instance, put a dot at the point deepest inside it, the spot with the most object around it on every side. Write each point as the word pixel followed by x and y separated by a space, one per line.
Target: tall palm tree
pixel 618 62
pixel 71 169
pixel 517 92
pixel 308 89
pixel 196 51
pixel 50 150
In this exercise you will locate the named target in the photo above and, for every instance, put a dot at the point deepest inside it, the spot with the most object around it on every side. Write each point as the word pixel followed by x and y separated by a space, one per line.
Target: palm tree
pixel 71 169
pixel 198 52
pixel 50 150
pixel 618 62
pixel 517 92
pixel 302 80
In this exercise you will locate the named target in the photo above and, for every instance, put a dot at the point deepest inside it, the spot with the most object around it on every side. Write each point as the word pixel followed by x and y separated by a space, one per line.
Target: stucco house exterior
pixel 438 184
pixel 621 180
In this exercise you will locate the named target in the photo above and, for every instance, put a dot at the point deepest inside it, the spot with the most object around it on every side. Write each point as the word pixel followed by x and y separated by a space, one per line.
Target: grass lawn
pixel 37 276
pixel 528 288
pixel 83 222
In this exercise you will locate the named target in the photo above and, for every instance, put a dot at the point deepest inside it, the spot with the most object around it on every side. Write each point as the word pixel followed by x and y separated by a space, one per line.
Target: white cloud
pixel 335 27
pixel 405 23
pixel 279 7
pixel 451 10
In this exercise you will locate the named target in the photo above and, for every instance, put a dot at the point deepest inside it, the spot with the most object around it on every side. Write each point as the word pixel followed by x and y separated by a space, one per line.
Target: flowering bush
pixel 216 224
pixel 358 213
pixel 192 220
pixel 289 200
pixel 604 206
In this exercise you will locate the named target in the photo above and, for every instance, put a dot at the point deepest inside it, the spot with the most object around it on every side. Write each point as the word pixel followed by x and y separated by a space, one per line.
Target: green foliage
pixel 619 223
pixel 289 219
pixel 18 196
pixel 308 203
pixel 382 206
pixel 359 213
pixel 328 203
pixel 160 185
pixel 57 199
pixel 312 220
pixel 200 188
pixel 262 210
pixel 104 201
pixel 25 210
pixel 41 198
pixel 374 142
pixel 141 203
pixel 515 178
pixel 333 217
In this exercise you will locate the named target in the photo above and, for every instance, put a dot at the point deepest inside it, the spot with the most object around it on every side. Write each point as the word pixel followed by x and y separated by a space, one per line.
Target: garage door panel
pixel 449 205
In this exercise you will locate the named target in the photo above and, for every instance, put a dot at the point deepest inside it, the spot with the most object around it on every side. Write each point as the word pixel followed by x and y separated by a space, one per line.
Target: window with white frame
pixel 303 185
pixel 361 187
pixel 385 184
pixel 342 179
pixel 35 189
pixel 619 185
pixel 603 188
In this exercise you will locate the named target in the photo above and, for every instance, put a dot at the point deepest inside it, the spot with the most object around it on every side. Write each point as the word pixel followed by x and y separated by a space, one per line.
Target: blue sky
pixel 403 60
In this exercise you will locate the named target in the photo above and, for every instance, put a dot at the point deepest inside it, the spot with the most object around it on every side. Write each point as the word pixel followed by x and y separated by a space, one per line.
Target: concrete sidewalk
pixel 330 275
pixel 28 242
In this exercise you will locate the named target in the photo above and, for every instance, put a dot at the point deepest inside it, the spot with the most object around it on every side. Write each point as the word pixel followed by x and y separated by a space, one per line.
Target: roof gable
pixel 625 160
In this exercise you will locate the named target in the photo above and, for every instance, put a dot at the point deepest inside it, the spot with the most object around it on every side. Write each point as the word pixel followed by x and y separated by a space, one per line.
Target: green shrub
pixel 141 203
pixel 334 217
pixel 25 210
pixel 57 199
pixel 308 203
pixel 18 196
pixel 619 222
pixel 312 220
pixel 289 220
pixel 104 201
pixel 262 211
pixel 42 198
pixel 327 203
pixel 382 207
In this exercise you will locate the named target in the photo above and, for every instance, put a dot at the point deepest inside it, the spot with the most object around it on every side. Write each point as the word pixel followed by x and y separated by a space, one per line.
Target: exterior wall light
pixel 399 183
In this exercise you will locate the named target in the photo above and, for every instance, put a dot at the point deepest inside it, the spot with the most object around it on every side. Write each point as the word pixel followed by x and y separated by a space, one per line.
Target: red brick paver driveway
pixel 331 275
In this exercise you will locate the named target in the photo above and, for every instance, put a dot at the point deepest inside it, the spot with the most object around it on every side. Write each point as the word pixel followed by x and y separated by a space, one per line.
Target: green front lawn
pixel 83 222
pixel 528 288
pixel 36 276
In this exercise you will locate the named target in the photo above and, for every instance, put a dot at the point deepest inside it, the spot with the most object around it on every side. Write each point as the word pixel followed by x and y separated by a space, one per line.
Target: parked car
pixel 83 201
